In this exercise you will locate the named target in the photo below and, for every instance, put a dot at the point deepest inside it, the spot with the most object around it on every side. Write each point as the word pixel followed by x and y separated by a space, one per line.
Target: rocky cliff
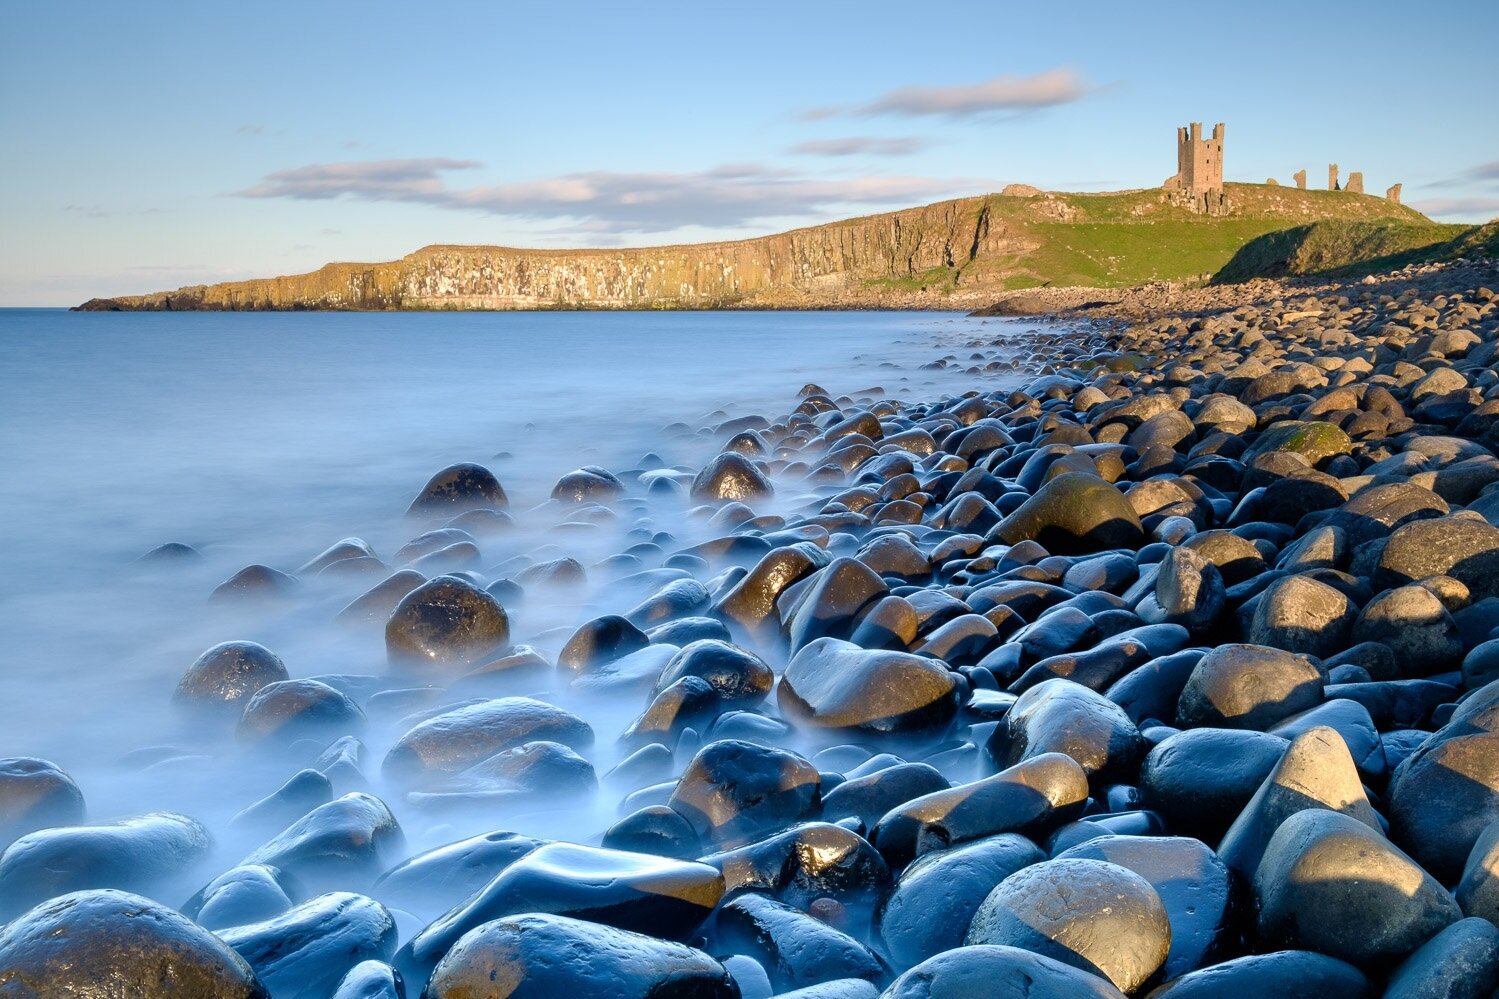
pixel 949 254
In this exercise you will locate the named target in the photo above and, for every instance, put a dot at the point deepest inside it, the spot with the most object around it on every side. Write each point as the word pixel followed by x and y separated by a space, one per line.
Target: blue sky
pixel 151 145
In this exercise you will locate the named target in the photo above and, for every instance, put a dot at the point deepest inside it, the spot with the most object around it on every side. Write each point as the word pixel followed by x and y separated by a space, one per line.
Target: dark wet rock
pixel 1461 962
pixel 988 972
pixel 686 630
pixel 536 957
pixel 559 573
pixel 751 603
pixel 1330 883
pixel 1030 798
pixel 1152 690
pixel 1192 883
pixel 739 677
pixel 255 583
pixel 306 952
pixel 304 791
pixel 1377 511
pixel 1096 916
pixel 1248 686
pixel 601 641
pixel 1352 722
pixel 1316 772
pixel 344 843
pixel 733 791
pixel 445 622
pixel 795 949
pixel 457 488
pixel 657 830
pixel 1303 614
pixel 1446 793
pixel 1189 591
pixel 430 882
pixel 339 551
pixel 952 883
pixel 371 980
pixel 147 853
pixel 1059 716
pixel 1464 548
pixel 1074 513
pixel 293 709
pixel 869 796
pixel 1202 778
pixel 837 685
pixel 1285 974
pixel 731 476
pixel 808 862
pixel 589 483
pixel 1315 441
pixel 678 598
pixel 35 794
pixel 226 675
pixel 97 944
pixel 169 553
pixel 429 542
pixel 241 895
pixel 1110 660
pixel 628 891
pixel 831 600
pixel 688 703
pixel 376 603
pixel 456 740
pixel 1414 623
pixel 538 768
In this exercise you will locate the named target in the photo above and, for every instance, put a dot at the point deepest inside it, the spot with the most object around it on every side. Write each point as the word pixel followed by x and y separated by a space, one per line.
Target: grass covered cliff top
pixel 948 254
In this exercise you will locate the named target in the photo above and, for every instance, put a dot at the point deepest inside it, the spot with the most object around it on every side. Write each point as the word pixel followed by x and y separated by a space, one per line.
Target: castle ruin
pixel 1198 181
pixel 1197 184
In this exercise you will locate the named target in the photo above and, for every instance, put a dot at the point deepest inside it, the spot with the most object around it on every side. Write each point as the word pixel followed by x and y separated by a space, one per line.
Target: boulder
pixel 1072 514
pixel 96 944
pixel 306 952
pixel 226 675
pixel 1059 716
pixel 1093 915
pixel 35 794
pixel 445 622
pixel 1248 686
pixel 731 477
pixel 539 957
pixel 735 791
pixel 1332 884
pixel 795 949
pixel 1284 974
pixel 832 684
pixel 456 740
pixel 1304 615
pixel 458 488
pixel 987 972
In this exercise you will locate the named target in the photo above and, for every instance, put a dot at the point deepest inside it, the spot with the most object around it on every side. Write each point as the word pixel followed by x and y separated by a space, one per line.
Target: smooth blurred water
pixel 267 437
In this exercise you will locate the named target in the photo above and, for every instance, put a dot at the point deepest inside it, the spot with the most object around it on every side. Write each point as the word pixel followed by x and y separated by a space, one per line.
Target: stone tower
pixel 1355 183
pixel 1332 177
pixel 1393 194
pixel 1199 169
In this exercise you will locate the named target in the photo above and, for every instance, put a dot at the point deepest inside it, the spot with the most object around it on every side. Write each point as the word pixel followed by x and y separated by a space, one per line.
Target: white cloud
pixel 998 94
pixel 1475 209
pixel 861 145
pixel 611 203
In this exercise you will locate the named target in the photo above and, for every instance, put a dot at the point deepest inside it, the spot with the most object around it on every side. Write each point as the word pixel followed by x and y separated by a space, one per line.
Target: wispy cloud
pixel 1472 209
pixel 999 94
pixel 861 145
pixel 250 129
pixel 612 203
pixel 1483 175
pixel 385 180
pixel 86 211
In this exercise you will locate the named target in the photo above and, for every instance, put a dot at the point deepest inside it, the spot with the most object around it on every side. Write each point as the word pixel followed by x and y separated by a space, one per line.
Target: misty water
pixel 264 438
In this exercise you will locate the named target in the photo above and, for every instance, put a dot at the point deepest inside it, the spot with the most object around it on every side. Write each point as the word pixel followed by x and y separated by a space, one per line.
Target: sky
pixel 150 145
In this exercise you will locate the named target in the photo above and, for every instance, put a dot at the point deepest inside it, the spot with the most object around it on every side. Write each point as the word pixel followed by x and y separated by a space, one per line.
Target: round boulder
pixel 1248 686
pixel 1331 884
pixel 93 944
pixel 227 674
pixel 1075 513
pixel 458 488
pixel 35 794
pixel 731 476
pixel 446 621
pixel 832 684
pixel 1096 916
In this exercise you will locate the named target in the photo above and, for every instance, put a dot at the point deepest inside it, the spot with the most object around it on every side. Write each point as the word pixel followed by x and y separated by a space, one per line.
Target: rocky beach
pixel 1162 660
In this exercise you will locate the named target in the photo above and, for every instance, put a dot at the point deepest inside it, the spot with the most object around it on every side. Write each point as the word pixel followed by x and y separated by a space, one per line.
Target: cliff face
pixel 953 253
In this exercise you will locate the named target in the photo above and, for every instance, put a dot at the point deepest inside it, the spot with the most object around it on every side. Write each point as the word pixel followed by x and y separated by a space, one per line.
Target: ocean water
pixel 264 438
